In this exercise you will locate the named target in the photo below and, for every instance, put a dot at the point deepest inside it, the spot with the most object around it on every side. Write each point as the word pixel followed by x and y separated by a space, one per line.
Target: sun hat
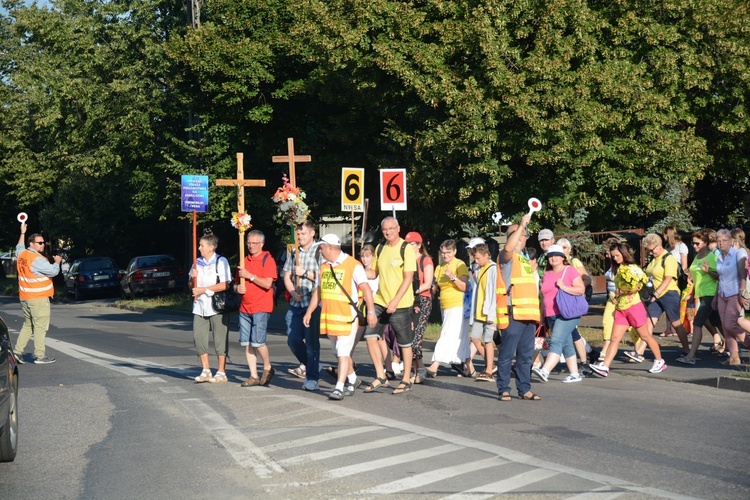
pixel 555 251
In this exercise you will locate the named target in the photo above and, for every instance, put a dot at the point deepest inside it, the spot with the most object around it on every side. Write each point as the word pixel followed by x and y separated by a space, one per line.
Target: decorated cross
pixel 240 182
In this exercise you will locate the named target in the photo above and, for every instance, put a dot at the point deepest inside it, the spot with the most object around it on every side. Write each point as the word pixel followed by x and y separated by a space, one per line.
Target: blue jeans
pixel 517 341
pixel 561 338
pixel 304 342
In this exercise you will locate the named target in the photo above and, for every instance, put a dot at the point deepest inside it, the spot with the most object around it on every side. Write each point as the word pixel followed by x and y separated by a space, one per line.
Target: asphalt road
pixel 117 416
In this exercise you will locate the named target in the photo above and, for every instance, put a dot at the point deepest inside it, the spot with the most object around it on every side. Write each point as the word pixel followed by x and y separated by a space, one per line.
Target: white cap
pixel 474 242
pixel 331 239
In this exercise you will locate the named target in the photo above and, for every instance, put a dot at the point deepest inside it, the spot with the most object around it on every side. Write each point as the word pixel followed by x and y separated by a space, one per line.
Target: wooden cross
pixel 240 182
pixel 290 158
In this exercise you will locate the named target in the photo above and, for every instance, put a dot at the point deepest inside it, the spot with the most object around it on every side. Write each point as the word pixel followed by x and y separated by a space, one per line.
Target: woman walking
pixel 422 303
pixel 732 272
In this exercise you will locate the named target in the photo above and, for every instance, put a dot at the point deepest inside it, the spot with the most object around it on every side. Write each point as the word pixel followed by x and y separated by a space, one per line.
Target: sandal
pixel 505 396
pixel 402 388
pixel 376 384
pixel 331 370
pixel 530 396
pixel 390 375
pixel 298 372
pixel 458 367
pixel 430 374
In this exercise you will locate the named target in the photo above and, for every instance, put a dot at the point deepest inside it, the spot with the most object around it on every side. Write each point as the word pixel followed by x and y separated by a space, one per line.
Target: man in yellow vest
pixel 34 289
pixel 518 314
pixel 341 277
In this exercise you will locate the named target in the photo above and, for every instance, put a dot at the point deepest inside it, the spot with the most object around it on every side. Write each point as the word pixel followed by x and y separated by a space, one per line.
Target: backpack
pixel 682 279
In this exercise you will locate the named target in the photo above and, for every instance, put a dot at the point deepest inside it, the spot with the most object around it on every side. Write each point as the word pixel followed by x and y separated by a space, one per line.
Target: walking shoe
pixel 203 377
pixel 265 379
pixel 686 360
pixel 336 395
pixel 541 373
pixel 250 382
pixel 484 377
pixel 310 385
pixel 634 356
pixel 349 390
pixel 659 366
pixel 573 377
pixel 44 361
pixel 584 369
pixel 600 369
pixel 19 358
pixel 218 378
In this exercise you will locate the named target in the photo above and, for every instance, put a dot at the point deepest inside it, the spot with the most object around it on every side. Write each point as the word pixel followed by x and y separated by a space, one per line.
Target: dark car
pixel 93 276
pixel 153 274
pixel 8 397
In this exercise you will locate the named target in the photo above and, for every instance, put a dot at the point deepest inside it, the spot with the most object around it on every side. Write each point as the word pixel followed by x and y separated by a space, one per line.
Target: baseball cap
pixel 331 239
pixel 545 234
pixel 413 237
pixel 474 242
pixel 555 250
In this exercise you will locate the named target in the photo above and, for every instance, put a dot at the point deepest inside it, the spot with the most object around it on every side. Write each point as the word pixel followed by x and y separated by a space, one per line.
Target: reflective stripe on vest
pixel 336 312
pixel 32 286
pixel 524 294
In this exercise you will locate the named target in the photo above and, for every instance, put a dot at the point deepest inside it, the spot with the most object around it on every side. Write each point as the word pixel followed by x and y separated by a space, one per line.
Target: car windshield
pixel 157 261
pixel 98 265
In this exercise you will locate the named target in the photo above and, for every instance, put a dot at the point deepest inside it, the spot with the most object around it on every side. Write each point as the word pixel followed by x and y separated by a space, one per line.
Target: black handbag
pixel 227 301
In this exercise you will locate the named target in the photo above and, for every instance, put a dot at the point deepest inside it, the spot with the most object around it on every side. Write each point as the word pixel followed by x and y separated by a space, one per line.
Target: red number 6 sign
pixel 393 189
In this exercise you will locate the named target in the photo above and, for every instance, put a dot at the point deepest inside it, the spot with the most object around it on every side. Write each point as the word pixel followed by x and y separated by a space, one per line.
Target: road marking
pixel 432 476
pixel 382 463
pixel 505 485
pixel 320 438
pixel 603 493
pixel 244 451
pixel 347 450
pixel 153 380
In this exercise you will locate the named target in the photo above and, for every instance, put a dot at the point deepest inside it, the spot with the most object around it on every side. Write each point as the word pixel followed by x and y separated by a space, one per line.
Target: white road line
pixel 603 493
pixel 278 417
pixel 505 485
pixel 319 438
pixel 382 463
pixel 432 476
pixel 347 450
pixel 244 451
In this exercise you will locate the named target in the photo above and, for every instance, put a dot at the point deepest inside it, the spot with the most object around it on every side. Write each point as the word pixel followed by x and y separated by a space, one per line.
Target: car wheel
pixel 9 435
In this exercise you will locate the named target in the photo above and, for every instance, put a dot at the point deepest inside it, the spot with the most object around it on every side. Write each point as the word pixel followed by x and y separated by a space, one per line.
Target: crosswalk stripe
pixel 320 438
pixel 276 417
pixel 505 485
pixel 602 493
pixel 355 448
pixel 382 463
pixel 432 476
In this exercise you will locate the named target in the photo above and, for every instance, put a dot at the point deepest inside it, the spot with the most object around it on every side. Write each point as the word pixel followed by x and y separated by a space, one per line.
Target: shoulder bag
pixel 570 306
pixel 362 318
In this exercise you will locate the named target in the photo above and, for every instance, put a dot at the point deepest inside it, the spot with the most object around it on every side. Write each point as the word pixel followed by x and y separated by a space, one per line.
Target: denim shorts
pixel 668 303
pixel 253 329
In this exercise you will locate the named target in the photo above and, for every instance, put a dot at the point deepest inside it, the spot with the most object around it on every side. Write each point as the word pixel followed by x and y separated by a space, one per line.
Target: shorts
pixel 342 345
pixel 706 312
pixel 668 303
pixel 253 329
pixel 483 331
pixel 634 316
pixel 400 321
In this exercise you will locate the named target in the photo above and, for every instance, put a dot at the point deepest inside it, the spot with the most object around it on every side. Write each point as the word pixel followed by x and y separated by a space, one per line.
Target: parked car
pixel 93 276
pixel 8 397
pixel 153 274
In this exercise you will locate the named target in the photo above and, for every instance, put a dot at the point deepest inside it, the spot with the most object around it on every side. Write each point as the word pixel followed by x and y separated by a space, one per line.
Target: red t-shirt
pixel 258 299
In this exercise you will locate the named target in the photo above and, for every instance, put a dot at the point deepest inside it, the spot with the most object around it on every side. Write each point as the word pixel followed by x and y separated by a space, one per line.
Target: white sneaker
pixel 659 366
pixel 600 369
pixel 573 377
pixel 541 373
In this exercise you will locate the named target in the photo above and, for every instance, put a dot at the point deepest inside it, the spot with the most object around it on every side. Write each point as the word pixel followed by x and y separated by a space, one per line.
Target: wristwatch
pixel 454 278
pixel 372 312
pixel 252 278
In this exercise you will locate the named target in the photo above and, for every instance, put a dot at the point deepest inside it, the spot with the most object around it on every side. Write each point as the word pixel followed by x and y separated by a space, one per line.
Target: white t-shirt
pixel 678 251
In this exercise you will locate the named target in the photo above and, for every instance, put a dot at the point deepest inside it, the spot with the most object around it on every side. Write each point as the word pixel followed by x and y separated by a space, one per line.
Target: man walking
pixel 395 264
pixel 300 274
pixel 34 289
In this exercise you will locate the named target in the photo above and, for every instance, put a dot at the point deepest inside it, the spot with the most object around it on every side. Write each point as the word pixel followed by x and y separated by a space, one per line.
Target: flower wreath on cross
pixel 241 221
pixel 291 208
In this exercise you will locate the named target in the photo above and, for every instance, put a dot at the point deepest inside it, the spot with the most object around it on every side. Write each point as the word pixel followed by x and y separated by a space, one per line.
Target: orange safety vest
pixel 524 294
pixel 32 286
pixel 336 313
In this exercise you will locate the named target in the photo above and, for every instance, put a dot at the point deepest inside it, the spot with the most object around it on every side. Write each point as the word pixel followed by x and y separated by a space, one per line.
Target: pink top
pixel 549 288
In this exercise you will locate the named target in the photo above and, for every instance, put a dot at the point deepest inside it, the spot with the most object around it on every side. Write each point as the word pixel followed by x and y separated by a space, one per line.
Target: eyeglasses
pixel 650 250
pixel 388 229
pixel 254 242
pixel 696 243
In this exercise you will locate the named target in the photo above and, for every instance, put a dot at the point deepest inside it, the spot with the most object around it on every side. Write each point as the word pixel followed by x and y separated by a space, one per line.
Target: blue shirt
pixel 729 276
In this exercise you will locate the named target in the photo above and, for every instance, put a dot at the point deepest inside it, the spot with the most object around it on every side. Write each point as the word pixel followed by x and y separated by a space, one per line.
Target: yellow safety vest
pixel 32 286
pixel 336 313
pixel 524 294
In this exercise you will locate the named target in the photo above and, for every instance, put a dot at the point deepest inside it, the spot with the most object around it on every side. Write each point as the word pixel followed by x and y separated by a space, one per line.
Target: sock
pixel 340 386
pixel 352 378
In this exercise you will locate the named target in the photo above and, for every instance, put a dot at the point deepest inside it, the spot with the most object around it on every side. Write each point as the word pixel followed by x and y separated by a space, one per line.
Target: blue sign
pixel 195 193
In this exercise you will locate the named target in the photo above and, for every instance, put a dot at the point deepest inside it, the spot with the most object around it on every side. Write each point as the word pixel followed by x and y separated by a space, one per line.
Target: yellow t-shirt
pixel 481 287
pixel 657 272
pixel 450 295
pixel 391 268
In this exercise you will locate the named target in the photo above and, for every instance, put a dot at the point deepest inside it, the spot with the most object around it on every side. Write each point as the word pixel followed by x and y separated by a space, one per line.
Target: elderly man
pixel 517 314
pixel 341 278
pixel 34 289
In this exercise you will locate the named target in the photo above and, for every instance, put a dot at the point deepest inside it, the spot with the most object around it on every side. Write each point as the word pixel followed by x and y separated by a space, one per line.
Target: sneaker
pixel 310 385
pixel 686 360
pixel 600 369
pixel 573 377
pixel 44 361
pixel 659 366
pixel 218 378
pixel 336 395
pixel 541 373
pixel 584 369
pixel 349 390
pixel 19 358
pixel 634 356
